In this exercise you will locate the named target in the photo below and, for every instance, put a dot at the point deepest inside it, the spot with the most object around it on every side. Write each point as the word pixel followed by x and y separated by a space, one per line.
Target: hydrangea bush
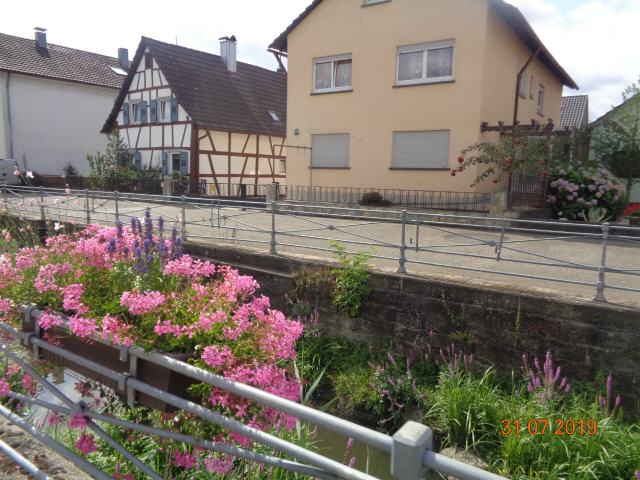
pixel 132 285
pixel 576 192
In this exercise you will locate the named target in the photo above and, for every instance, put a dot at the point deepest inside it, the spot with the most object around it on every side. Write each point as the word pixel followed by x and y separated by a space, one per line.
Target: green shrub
pixel 372 198
pixel 351 280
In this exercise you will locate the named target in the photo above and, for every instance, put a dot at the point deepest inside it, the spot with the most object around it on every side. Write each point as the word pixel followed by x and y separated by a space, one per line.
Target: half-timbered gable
pixel 219 121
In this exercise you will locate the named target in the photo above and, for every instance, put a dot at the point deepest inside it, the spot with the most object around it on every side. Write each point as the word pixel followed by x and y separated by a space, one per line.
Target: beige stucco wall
pixel 56 123
pixel 485 68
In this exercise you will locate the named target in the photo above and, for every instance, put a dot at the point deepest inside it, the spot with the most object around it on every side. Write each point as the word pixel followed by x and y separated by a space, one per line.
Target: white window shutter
pixel 330 150
pixel 421 149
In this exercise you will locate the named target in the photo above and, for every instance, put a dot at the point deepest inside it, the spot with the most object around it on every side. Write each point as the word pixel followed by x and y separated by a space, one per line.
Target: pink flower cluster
pixel 141 303
pixel 186 266
pixel 86 444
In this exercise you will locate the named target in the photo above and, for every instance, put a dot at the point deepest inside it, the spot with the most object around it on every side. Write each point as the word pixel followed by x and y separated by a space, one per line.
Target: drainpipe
pixel 518 79
pixel 9 120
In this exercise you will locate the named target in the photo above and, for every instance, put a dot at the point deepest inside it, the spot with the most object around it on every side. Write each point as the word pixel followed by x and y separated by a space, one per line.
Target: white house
pixel 209 117
pixel 53 101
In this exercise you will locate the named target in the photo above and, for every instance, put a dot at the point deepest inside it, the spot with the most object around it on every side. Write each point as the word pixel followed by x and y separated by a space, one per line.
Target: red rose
pixel 453 173
pixel 460 159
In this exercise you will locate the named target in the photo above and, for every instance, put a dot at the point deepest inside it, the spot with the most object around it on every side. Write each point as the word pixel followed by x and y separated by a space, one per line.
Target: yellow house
pixel 386 93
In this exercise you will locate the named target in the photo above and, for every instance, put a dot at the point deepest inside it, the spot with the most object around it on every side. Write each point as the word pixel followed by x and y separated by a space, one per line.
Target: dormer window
pixel 332 74
pixel 274 116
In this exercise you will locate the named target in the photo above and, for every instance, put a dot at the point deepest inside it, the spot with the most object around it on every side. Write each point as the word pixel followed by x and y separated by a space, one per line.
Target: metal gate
pixel 527 191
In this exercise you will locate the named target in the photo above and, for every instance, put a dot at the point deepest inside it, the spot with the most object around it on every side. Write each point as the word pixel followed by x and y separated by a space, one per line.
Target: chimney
pixel 123 58
pixel 41 37
pixel 228 52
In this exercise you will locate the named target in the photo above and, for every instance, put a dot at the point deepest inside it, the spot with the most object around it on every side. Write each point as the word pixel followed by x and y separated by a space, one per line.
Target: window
pixel 532 86
pixel 135 112
pixel 525 84
pixel 148 60
pixel 541 100
pixel 425 63
pixel 373 2
pixel 165 109
pixel 283 166
pixel 332 74
pixel 330 151
pixel 421 150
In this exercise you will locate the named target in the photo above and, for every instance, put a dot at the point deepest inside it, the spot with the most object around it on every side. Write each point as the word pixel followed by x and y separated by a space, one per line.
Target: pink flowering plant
pixel 575 191
pixel 132 285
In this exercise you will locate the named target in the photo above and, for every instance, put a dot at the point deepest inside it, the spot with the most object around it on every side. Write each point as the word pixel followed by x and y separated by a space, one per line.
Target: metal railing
pixel 602 257
pixel 410 448
pixel 425 199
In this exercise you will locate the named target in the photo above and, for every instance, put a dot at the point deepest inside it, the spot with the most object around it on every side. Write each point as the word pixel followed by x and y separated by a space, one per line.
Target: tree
pixel 111 170
pixel 616 140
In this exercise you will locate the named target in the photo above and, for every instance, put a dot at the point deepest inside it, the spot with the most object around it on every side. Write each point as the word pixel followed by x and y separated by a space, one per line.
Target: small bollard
pixel 409 445
pixel 117 209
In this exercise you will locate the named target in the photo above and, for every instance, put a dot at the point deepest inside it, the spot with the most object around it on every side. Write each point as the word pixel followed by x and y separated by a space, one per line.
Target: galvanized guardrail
pixel 410 448
pixel 397 236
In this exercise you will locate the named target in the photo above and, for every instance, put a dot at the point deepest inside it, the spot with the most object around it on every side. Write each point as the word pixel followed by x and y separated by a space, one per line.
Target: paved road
pixel 443 250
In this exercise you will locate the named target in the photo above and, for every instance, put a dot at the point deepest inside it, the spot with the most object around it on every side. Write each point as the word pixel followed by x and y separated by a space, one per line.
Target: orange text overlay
pixel 559 427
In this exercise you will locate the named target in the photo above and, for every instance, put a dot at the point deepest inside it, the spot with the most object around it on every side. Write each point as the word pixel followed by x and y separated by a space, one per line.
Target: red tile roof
pixel 21 55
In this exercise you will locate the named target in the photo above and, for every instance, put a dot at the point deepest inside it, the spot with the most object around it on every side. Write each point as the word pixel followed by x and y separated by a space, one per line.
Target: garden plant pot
pixel 110 356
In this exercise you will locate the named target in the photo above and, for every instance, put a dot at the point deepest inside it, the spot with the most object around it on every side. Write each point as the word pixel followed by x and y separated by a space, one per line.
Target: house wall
pixel 487 59
pixel 505 56
pixel 54 122
pixel 229 158
pixel 151 140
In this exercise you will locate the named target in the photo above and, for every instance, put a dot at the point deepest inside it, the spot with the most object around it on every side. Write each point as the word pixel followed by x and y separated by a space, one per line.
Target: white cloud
pixel 596 41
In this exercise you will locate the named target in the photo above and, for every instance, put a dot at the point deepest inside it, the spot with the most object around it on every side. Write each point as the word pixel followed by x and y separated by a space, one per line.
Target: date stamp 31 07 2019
pixel 543 426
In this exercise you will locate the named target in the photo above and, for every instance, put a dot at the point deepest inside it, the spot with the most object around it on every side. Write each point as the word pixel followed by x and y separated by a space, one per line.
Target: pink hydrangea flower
pixel 141 303
pixel 86 444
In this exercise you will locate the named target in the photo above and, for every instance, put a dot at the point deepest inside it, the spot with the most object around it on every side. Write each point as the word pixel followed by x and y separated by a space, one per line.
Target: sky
pixel 596 41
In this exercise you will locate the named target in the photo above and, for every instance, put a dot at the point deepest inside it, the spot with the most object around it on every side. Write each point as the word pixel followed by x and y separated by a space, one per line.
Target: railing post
pixel 117 208
pixel 403 246
pixel 407 451
pixel 503 231
pixel 87 206
pixel 272 250
pixel 43 216
pixel 184 218
pixel 601 285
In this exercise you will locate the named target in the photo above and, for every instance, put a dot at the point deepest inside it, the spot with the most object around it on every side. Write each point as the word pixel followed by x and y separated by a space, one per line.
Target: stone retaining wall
pixel 498 325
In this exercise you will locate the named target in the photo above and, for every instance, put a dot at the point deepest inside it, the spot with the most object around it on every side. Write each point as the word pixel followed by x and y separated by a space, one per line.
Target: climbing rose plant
pixel 132 285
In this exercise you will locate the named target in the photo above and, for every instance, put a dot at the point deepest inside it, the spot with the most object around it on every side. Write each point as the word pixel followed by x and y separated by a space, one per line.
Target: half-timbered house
pixel 218 121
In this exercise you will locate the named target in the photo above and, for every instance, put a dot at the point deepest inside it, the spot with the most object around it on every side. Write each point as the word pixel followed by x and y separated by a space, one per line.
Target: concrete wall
pixel 585 338
pixel 56 123
pixel 487 58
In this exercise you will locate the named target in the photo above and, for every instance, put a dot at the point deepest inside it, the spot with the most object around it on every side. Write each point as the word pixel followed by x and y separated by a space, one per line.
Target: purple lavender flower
pixel 349 444
pixel 111 246
pixel 119 228
pixel 160 225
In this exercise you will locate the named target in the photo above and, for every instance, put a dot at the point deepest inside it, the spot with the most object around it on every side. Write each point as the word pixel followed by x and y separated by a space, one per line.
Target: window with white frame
pixel 532 87
pixel 332 74
pixel 135 112
pixel 541 100
pixel 164 106
pixel 425 63
pixel 330 150
pixel 421 150
pixel 373 2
